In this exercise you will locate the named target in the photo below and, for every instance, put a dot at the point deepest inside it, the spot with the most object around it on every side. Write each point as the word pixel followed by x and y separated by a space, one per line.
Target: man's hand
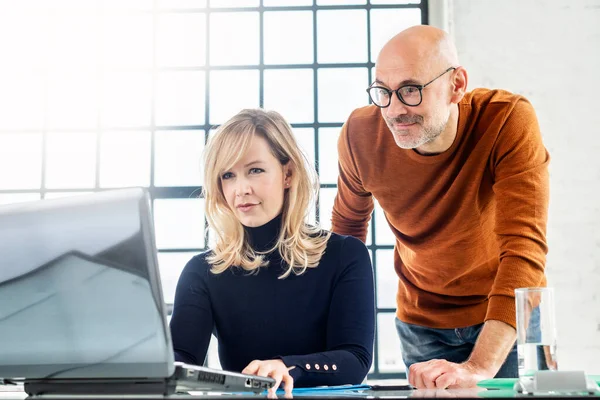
pixel 442 374
pixel 275 369
pixel 489 353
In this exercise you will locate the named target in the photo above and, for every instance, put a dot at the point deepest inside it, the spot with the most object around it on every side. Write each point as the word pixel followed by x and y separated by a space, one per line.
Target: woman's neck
pixel 264 237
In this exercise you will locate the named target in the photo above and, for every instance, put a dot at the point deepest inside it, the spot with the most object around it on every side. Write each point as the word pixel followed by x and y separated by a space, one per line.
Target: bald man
pixel 462 178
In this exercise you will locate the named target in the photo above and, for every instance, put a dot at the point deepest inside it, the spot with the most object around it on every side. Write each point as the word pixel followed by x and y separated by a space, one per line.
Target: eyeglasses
pixel 411 95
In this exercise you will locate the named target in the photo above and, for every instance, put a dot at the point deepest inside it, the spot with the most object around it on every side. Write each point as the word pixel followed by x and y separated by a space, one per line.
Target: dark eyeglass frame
pixel 397 91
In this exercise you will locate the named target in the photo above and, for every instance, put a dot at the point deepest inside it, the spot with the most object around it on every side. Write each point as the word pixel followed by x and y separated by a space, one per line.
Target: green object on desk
pixel 498 383
pixel 508 383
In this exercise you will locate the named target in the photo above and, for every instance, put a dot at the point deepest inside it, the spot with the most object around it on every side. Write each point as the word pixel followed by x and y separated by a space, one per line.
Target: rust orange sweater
pixel 470 223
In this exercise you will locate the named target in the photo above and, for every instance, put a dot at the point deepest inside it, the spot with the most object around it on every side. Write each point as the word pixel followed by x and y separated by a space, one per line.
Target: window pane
pixel 390 356
pixel 230 92
pixel 22 99
pixel 332 25
pixel 326 198
pixel 211 133
pixel 127 40
pixel 178 158
pixel 306 140
pixel 126 5
pixel 31 27
pixel 291 93
pixel 340 92
pixel 181 3
pixel 369 229
pixel 328 154
pixel 67 49
pixel 127 99
pixel 180 98
pixel 339 2
pixel 233 3
pixel 383 232
pixel 396 2
pixel 387 280
pixel 288 37
pixel 124 159
pixel 21 154
pixel 382 30
pixel 212 355
pixel 72 99
pixel 56 195
pixel 181 40
pixel 11 198
pixel 274 3
pixel 71 160
pixel 227 45
pixel 312 214
pixel 171 265
pixel 179 223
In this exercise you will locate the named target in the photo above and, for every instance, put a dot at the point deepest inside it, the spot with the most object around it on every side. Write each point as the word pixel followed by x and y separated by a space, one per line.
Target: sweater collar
pixel 262 238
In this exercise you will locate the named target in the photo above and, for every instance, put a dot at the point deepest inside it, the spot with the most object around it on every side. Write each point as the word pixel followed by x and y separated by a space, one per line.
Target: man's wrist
pixel 487 371
pixel 495 342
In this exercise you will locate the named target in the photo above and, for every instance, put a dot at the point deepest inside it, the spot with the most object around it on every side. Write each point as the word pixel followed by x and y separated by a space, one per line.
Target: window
pixel 107 94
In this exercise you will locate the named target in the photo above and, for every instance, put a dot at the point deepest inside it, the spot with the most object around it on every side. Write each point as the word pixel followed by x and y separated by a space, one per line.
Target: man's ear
pixel 459 84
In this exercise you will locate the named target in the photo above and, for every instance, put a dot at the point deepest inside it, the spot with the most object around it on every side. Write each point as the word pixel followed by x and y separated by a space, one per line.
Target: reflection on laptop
pixel 81 307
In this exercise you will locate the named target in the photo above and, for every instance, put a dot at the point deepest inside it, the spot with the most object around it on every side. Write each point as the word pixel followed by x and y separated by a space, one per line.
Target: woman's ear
pixel 287 175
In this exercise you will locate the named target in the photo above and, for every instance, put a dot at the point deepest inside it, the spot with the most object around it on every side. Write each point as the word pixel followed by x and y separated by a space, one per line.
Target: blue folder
pixel 342 390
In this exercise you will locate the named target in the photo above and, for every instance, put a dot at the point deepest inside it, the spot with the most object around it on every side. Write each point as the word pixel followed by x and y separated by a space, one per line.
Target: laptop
pixel 81 305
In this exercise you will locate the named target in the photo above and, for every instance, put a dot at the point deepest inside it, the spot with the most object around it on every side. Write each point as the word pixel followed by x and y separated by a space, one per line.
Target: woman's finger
pixel 277 375
pixel 288 384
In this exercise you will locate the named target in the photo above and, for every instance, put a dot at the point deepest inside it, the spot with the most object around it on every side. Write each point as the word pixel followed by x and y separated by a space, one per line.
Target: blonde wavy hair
pixel 300 245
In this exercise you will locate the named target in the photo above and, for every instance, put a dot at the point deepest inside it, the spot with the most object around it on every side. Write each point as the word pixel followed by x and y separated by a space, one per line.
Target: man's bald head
pixel 420 49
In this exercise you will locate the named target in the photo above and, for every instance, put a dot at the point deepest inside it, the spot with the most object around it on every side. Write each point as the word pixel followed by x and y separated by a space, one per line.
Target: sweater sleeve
pixel 192 320
pixel 350 326
pixel 520 164
pixel 353 204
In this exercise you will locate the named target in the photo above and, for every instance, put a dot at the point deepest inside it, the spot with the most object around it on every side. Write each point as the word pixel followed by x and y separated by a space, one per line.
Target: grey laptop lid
pixel 80 291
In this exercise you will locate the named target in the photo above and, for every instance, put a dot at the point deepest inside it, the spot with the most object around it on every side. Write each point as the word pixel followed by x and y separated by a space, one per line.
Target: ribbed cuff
pixel 502 308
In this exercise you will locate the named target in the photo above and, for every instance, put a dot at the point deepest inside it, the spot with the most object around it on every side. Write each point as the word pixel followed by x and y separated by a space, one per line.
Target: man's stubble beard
pixel 427 134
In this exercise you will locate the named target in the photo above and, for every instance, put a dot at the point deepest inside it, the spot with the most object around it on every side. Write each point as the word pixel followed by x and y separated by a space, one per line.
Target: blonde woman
pixel 284 298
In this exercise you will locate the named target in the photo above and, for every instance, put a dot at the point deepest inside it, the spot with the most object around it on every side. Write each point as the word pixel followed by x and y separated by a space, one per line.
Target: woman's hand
pixel 275 369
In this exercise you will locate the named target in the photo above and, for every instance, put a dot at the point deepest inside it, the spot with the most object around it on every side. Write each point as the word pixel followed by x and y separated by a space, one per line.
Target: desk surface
pixel 17 393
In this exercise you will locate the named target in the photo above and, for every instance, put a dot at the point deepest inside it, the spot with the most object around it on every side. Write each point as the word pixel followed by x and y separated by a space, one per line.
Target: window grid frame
pixel 183 192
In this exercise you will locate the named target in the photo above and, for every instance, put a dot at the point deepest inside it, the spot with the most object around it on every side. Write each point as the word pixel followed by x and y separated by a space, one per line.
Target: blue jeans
pixel 419 343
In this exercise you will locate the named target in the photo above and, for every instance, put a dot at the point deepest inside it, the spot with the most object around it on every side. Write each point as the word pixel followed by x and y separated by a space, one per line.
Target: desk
pixel 17 393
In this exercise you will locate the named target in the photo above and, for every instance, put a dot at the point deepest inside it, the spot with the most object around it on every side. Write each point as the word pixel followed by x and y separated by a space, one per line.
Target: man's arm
pixel 353 205
pixel 519 162
pixel 520 165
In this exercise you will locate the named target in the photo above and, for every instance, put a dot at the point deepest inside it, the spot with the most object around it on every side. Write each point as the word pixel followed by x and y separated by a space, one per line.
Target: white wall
pixel 549 51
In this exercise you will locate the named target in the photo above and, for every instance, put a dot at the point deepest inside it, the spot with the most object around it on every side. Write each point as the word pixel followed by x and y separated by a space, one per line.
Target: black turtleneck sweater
pixel 322 322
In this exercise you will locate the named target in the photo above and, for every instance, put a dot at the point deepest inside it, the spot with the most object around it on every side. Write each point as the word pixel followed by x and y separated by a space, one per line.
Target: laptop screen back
pixel 79 289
